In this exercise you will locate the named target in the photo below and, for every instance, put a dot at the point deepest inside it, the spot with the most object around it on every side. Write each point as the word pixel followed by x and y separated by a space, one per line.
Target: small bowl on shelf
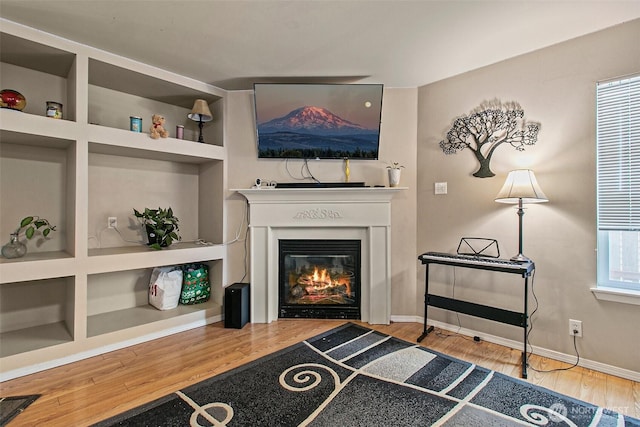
pixel 12 99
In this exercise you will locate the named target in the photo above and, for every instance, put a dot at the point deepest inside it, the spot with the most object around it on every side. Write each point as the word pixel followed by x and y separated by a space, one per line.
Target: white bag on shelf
pixel 165 287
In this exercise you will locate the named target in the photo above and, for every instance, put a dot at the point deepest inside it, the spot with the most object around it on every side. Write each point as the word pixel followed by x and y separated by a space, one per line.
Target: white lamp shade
pixel 521 184
pixel 200 111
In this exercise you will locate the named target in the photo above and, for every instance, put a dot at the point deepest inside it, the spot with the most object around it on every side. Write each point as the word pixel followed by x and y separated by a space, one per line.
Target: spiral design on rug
pixel 306 378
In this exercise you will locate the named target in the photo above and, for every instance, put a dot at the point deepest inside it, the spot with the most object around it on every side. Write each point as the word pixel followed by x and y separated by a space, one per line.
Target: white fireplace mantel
pixel 362 213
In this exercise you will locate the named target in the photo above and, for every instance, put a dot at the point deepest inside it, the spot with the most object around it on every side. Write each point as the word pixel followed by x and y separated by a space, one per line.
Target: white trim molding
pixel 517 345
pixel 626 296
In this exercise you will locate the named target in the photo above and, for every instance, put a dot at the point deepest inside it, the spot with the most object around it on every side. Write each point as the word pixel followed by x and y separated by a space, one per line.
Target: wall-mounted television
pixel 318 121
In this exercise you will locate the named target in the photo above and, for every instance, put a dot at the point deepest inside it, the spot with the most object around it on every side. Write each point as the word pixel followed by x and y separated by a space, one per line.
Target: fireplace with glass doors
pixel 319 279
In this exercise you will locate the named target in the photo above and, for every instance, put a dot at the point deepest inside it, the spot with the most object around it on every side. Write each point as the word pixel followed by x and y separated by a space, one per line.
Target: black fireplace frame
pixel 320 247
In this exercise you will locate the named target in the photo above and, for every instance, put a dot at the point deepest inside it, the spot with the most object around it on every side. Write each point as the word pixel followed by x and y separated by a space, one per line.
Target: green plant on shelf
pixel 161 226
pixel 30 224
pixel 395 165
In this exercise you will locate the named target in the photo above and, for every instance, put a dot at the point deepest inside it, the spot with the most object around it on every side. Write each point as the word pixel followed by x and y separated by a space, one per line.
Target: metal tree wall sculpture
pixel 486 128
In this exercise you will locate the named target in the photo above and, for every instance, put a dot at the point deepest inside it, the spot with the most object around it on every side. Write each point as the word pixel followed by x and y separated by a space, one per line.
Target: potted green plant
pixel 29 225
pixel 161 226
pixel 394 170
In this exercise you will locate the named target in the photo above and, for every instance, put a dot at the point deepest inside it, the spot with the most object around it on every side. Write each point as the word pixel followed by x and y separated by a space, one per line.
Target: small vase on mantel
pixel 395 171
pixel 15 248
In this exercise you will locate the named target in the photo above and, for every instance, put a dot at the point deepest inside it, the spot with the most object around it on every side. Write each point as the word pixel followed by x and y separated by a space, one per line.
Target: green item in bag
pixel 195 285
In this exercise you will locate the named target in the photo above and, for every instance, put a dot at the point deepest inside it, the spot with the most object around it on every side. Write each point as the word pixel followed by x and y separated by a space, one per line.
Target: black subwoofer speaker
pixel 236 305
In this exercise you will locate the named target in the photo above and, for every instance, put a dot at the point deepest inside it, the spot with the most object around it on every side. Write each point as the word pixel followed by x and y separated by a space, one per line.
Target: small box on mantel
pixel 236 305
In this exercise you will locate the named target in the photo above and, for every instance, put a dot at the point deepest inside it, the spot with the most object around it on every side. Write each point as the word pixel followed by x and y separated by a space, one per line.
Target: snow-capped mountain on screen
pixel 313 120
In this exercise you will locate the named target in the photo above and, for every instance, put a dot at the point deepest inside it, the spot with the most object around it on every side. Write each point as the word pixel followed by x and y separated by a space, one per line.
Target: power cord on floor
pixel 575 347
pixel 477 339
pixel 456 333
pixel 575 344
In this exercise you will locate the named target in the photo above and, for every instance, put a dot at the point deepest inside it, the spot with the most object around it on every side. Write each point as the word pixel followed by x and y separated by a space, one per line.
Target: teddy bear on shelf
pixel 157 129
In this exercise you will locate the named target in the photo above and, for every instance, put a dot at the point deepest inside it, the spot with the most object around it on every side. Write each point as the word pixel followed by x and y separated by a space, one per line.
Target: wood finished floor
pixel 91 390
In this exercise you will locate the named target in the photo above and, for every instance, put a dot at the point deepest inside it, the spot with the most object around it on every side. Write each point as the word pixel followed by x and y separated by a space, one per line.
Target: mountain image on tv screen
pixel 318 121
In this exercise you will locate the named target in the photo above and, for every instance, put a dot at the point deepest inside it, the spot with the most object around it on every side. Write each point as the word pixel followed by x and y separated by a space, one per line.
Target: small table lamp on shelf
pixel 200 113
pixel 521 187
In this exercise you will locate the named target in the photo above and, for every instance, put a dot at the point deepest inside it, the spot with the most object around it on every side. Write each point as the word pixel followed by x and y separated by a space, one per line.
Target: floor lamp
pixel 521 187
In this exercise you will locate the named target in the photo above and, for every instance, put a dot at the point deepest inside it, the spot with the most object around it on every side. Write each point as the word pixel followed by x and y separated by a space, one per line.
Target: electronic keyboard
pixel 481 262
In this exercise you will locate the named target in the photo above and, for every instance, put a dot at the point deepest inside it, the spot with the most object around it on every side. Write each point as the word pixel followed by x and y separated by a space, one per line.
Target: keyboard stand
pixel 478 310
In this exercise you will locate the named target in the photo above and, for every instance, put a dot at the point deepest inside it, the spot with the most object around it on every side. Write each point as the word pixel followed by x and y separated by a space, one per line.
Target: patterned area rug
pixel 12 406
pixel 353 376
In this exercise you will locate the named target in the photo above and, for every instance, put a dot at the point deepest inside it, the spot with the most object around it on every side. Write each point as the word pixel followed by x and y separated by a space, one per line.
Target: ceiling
pixel 232 44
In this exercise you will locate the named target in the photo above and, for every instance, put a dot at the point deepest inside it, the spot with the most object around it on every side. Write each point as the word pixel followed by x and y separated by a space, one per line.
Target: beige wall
pixel 398 143
pixel 556 87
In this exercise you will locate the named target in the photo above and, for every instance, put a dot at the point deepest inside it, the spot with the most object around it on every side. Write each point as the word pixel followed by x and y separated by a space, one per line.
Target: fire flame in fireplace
pixel 321 276
pixel 319 282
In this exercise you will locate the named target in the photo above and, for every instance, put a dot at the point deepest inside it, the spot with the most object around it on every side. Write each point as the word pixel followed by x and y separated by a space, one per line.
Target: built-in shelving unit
pixel 84 291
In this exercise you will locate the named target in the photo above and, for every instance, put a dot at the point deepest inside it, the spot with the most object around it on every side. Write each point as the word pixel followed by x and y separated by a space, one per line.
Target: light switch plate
pixel 441 188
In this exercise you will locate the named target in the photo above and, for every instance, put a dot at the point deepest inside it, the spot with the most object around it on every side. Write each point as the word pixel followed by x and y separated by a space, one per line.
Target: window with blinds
pixel 618 181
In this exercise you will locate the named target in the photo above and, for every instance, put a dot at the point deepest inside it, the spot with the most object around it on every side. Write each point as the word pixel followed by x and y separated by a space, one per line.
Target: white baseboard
pixel 406 319
pixel 539 351
pixel 552 354
pixel 9 375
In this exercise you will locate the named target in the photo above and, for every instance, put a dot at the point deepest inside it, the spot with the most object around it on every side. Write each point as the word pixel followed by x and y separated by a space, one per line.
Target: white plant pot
pixel 394 177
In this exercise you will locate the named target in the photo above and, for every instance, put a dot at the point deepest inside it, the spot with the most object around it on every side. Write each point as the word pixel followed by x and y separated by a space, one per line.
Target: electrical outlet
pixel 575 327
pixel 112 222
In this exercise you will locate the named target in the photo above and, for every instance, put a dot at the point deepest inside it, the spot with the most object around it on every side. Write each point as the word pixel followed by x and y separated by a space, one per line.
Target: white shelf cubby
pixel 82 292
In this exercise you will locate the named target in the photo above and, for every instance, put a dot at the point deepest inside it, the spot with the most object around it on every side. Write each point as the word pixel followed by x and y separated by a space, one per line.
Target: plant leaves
pixel 26 221
pixel 30 231
pixel 46 232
